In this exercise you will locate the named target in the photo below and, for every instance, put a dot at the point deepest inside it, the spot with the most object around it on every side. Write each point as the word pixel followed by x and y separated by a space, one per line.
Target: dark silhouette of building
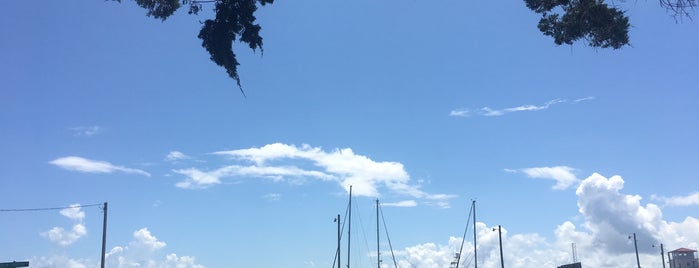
pixel 683 258
pixel 572 265
pixel 14 264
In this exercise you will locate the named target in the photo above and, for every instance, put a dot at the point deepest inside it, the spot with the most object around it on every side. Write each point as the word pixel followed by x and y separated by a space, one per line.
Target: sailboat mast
pixel 349 228
pixel 378 249
pixel 339 236
pixel 475 250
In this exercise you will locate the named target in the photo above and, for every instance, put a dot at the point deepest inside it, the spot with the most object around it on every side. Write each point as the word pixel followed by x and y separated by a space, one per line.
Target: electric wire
pixel 44 209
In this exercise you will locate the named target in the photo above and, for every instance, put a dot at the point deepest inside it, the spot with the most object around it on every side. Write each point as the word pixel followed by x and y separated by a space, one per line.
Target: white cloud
pixel 56 261
pixel 145 240
pixel 171 260
pixel 405 203
pixel 73 212
pixel 175 156
pixel 144 251
pixel 487 111
pixel 86 131
pixel 80 164
pixel 609 217
pixel 65 237
pixel 583 99
pixel 282 162
pixel 272 197
pixel 679 201
pixel 563 175
pixel 459 113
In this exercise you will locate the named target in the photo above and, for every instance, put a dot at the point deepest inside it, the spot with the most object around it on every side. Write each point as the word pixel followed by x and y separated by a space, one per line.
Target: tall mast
pixel 339 235
pixel 349 228
pixel 378 249
pixel 475 250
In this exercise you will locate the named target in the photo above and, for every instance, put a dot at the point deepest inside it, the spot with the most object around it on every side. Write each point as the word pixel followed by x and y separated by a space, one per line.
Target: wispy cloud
pixel 281 162
pixel 583 99
pixel 86 131
pixel 85 165
pixel 487 111
pixel 272 197
pixel 405 203
pixel 563 175
pixel 679 201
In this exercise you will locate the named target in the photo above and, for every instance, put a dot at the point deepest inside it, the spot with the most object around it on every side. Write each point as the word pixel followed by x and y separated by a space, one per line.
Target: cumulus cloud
pixel 563 175
pixel 145 240
pixel 145 251
pixel 86 131
pixel 73 212
pixel 487 111
pixel 65 237
pixel 608 218
pixel 172 260
pixel 85 165
pixel 679 201
pixel 282 162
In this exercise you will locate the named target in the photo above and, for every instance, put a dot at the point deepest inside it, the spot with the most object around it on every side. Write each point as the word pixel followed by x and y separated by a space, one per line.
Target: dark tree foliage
pixel 681 8
pixel 566 21
pixel 591 20
pixel 234 21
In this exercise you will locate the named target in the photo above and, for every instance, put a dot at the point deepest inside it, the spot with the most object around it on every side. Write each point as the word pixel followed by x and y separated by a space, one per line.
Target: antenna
pixel 575 253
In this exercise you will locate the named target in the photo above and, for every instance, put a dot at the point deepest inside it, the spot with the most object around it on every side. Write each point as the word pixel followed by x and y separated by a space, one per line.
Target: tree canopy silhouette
pixel 567 21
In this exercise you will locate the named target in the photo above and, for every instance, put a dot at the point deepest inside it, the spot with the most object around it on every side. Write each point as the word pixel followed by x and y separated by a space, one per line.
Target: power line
pixel 43 209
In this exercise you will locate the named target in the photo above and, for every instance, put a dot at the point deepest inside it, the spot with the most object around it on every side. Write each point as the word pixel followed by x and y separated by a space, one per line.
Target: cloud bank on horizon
pixel 608 218
pixel 606 215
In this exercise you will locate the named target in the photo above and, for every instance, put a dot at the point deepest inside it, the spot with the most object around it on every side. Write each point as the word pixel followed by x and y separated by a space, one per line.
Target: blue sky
pixel 423 104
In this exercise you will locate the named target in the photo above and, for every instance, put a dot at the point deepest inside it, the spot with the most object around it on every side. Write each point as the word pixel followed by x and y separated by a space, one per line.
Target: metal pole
pixel 104 235
pixel 378 249
pixel 635 245
pixel 349 228
pixel 475 249
pixel 662 254
pixel 502 260
pixel 339 234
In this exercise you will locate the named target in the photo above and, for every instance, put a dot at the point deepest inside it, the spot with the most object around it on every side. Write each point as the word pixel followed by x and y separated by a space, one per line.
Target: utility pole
pixel 635 245
pixel 104 234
